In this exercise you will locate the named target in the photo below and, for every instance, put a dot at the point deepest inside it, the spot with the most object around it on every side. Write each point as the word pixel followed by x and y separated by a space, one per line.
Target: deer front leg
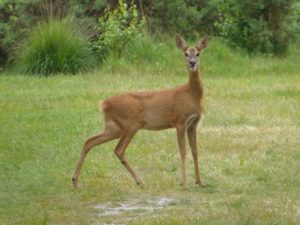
pixel 192 133
pixel 120 152
pixel 182 151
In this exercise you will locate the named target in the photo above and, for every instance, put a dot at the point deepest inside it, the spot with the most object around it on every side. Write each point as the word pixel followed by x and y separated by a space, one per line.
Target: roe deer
pixel 180 107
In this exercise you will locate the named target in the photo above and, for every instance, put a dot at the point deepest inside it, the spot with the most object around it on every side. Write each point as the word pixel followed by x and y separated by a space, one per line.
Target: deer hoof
pixel 74 181
pixel 201 184
pixel 141 184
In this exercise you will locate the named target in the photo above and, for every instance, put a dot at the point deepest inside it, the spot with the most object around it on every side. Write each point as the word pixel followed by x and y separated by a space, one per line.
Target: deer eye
pixel 197 54
pixel 186 55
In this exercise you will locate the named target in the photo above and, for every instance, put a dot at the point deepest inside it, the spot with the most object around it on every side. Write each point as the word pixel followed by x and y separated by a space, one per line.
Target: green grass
pixel 249 144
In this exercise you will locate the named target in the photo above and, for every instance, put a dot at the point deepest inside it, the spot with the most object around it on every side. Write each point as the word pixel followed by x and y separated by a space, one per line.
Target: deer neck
pixel 195 85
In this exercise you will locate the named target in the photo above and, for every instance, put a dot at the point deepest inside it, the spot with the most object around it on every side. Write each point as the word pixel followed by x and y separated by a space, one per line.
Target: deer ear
pixel 180 42
pixel 202 43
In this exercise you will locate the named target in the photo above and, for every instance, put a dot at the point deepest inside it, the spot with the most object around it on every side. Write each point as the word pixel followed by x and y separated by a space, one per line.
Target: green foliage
pixel 55 47
pixel 174 16
pixel 258 26
pixel 181 16
pixel 147 50
pixel 15 18
pixel 117 29
pixel 267 26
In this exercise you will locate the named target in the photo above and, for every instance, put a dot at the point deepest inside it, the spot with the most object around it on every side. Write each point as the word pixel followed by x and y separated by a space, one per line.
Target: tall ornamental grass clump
pixel 55 47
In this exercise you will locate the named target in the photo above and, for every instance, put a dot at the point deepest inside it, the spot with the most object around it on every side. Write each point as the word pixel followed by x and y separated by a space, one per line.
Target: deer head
pixel 191 54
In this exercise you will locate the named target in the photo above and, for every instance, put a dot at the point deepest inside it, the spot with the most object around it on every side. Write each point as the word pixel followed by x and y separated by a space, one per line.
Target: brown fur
pixel 180 107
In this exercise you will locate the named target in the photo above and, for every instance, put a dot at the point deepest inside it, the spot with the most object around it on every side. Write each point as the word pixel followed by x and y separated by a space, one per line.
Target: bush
pixel 117 29
pixel 189 17
pixel 14 22
pixel 257 25
pixel 55 47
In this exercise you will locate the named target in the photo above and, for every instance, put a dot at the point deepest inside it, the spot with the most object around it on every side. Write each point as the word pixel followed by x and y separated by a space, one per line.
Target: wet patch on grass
pixel 131 209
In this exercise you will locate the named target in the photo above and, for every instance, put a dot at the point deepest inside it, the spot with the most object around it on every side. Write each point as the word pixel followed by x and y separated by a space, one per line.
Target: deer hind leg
pixel 182 151
pixel 120 153
pixel 111 132
pixel 192 133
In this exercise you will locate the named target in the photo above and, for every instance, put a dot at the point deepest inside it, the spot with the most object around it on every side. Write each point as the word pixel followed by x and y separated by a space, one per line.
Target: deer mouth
pixel 193 67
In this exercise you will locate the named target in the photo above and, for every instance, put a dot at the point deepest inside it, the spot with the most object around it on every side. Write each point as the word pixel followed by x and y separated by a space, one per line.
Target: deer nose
pixel 192 63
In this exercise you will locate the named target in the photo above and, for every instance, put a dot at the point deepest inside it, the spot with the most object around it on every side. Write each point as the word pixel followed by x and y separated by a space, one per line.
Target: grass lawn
pixel 249 147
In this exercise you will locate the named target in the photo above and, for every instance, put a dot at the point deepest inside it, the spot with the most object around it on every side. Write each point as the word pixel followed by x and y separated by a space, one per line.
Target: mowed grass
pixel 249 144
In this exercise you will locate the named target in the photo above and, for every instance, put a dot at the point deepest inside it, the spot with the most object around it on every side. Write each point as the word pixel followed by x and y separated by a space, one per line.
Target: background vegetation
pixel 259 26
pixel 55 47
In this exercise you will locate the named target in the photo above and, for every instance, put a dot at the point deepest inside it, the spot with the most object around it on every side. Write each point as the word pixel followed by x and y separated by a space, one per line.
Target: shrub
pixel 55 47
pixel 188 17
pixel 257 25
pixel 14 20
pixel 117 29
